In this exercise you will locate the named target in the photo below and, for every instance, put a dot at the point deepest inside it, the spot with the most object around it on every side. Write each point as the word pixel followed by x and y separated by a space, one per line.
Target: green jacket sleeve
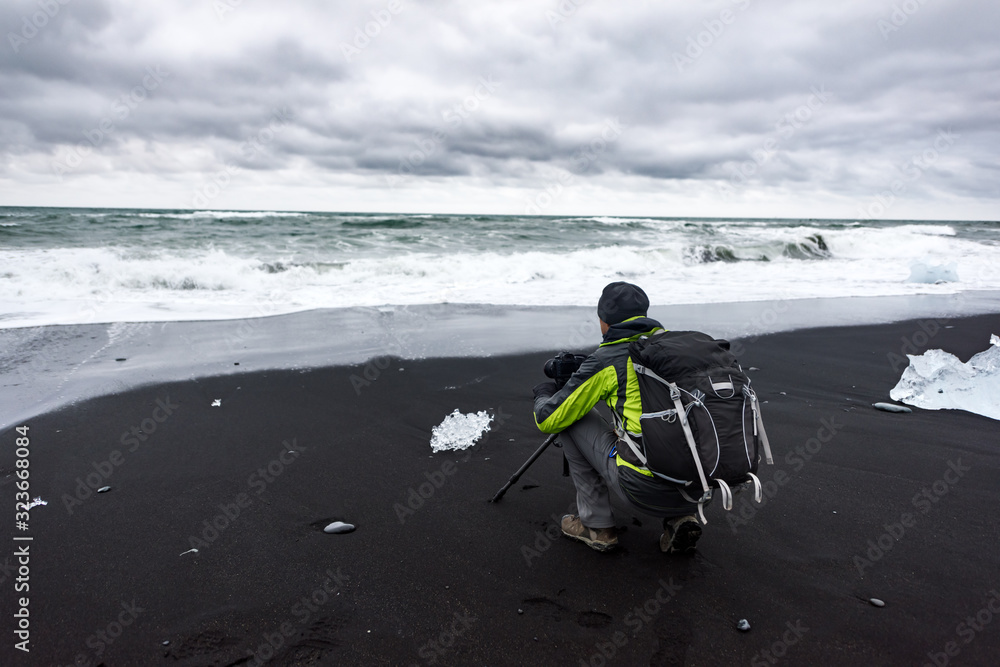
pixel 590 384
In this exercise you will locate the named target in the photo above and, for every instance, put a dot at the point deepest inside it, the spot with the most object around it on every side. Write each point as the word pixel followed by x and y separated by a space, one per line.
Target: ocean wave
pixel 813 247
pixel 117 271
pixel 628 222
pixel 222 215
pixel 390 223
pixel 605 220
pixel 929 230
pixel 704 254
pixel 273 267
pixel 318 267
pixel 185 283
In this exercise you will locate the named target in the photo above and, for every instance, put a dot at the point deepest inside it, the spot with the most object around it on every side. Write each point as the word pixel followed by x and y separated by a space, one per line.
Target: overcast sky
pixel 696 108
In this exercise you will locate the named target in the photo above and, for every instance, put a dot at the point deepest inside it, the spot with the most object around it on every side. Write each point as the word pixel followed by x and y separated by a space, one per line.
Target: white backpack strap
pixel 756 487
pixel 727 494
pixel 623 434
pixel 633 446
pixel 642 370
pixel 758 429
pixel 675 395
pixel 700 503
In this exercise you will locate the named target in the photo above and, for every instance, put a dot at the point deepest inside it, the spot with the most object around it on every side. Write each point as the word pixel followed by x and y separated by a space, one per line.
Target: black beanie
pixel 621 301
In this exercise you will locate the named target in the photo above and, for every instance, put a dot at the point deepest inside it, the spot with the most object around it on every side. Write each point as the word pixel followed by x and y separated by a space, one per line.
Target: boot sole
pixel 596 546
pixel 684 541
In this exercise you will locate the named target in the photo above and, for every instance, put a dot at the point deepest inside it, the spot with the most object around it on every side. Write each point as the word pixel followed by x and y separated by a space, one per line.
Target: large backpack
pixel 701 422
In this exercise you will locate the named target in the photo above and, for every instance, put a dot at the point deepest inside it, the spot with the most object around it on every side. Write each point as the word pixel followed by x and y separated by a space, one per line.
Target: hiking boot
pixel 680 536
pixel 600 539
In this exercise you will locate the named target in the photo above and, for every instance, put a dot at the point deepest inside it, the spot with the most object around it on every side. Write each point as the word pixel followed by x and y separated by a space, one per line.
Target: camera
pixel 562 366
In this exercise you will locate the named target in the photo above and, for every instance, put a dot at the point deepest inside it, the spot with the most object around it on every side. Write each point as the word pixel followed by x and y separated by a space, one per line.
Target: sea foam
pixel 154 266
pixel 938 380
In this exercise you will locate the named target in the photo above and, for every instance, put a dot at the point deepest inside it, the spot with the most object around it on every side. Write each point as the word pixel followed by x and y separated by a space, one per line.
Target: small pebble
pixel 891 407
pixel 447 587
pixel 876 602
pixel 783 393
pixel 120 359
pixel 236 363
pixel 217 403
pixel 743 625
pixel 753 368
pixel 166 642
pixel 940 391
pixel 104 489
pixel 339 527
pixel 520 611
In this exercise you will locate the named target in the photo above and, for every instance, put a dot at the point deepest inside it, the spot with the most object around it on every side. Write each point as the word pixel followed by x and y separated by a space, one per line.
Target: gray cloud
pixel 699 90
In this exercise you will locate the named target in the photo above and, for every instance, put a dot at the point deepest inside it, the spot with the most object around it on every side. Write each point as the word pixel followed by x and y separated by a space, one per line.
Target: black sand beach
pixel 434 574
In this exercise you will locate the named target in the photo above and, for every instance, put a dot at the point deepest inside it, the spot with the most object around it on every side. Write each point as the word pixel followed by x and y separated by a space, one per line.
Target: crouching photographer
pixel 598 457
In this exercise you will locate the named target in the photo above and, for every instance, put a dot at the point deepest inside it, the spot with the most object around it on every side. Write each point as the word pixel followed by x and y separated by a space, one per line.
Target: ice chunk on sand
pixel 921 272
pixel 937 380
pixel 459 431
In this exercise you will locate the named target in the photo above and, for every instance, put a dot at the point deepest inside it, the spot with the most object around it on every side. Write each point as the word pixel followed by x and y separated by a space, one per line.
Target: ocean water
pixel 73 266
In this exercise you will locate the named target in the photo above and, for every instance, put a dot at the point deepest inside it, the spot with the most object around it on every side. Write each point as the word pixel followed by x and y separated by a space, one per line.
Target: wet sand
pixel 860 504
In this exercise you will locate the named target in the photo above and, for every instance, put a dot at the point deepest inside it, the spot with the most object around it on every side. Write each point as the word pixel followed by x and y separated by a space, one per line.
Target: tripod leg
pixel 520 471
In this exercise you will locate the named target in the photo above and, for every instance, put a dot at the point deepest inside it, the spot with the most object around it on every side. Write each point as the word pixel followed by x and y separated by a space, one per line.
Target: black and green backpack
pixel 701 421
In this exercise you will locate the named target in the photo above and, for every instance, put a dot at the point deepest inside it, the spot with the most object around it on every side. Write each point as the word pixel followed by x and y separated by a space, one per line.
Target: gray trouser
pixel 587 444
